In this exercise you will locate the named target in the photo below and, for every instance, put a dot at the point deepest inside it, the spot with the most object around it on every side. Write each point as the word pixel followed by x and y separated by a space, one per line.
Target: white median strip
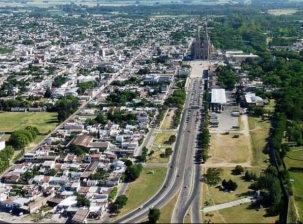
pixel 228 204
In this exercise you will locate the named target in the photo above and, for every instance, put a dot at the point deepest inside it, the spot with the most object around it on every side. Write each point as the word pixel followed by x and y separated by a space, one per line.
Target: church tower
pixel 199 49
pixel 197 45
pixel 206 50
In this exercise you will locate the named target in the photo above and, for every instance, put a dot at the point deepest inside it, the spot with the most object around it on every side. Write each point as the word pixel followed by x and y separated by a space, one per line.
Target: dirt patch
pixel 226 149
pixel 168 120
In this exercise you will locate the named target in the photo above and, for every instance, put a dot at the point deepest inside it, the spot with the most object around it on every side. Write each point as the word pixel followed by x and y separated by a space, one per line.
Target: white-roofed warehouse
pixel 218 96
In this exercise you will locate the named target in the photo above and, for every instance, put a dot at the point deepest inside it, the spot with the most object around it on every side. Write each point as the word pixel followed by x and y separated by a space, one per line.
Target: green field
pixel 143 188
pixel 241 214
pixel 295 159
pixel 216 196
pixel 258 132
pixel 44 121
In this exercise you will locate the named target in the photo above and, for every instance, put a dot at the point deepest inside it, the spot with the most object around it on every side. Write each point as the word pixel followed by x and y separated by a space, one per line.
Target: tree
pixel 154 215
pixel 113 194
pixel 82 201
pixel 121 201
pixel 172 139
pixel 231 185
pixel 128 163
pixel 168 151
pixel 258 111
pixel 250 176
pixel 19 139
pixel 247 176
pixel 78 151
pixel 224 183
pixel 101 119
pixel 33 129
pixel 238 170
pixel 7 153
pixel 133 172
pixel 51 172
pixel 73 169
pixel 48 93
pixel 212 176
pixel 27 175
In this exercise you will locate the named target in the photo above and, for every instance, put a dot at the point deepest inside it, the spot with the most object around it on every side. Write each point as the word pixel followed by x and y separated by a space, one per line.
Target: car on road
pixel 178 175
pixel 186 186
pixel 141 207
pixel 165 186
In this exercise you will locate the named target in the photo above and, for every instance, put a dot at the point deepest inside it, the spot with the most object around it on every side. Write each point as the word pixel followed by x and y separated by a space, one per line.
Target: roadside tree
pixel 212 176
pixel 154 215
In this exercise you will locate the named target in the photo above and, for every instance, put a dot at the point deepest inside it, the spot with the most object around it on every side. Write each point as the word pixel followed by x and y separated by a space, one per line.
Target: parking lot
pixel 226 121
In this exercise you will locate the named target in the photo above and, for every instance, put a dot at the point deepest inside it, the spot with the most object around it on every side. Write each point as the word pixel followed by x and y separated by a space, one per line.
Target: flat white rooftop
pixel 218 96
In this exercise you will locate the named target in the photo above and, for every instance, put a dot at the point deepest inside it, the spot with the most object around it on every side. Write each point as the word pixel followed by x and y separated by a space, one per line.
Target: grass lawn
pixel 156 157
pixel 226 149
pixel 162 138
pixel 295 159
pixel 239 214
pixel 214 195
pixel 258 133
pixel 159 147
pixel 167 210
pixel 271 106
pixel 167 123
pixel 44 121
pixel 292 213
pixel 187 219
pixel 143 188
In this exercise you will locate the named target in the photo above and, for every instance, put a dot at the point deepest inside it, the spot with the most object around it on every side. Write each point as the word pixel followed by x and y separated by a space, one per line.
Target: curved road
pixel 177 167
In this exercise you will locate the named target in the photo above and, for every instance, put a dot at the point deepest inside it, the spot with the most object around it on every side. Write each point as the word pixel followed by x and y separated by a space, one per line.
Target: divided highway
pixel 179 167
pixel 191 182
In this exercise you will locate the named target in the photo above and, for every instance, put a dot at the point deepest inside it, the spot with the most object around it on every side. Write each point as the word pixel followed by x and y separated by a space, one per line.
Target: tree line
pixel 65 107
pixel 19 139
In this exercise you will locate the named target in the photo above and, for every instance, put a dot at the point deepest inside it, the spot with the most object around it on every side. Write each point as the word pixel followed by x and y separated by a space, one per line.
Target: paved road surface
pixel 176 172
pixel 179 169
pixel 189 200
pixel 191 181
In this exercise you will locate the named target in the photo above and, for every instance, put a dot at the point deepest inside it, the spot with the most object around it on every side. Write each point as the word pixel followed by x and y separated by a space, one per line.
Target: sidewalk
pixel 228 204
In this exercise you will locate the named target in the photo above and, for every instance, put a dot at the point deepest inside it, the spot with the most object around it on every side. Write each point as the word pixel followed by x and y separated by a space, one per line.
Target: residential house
pixel 90 183
pixel 10 178
pixel 142 117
